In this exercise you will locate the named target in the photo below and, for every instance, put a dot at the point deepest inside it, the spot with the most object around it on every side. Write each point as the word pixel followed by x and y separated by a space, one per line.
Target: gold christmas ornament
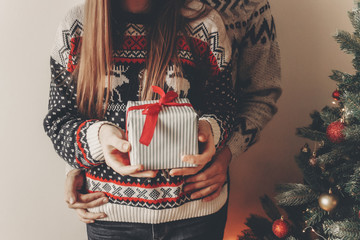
pixel 328 201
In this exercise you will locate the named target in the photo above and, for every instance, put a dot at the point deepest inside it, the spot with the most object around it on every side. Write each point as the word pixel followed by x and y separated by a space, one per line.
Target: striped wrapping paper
pixel 176 134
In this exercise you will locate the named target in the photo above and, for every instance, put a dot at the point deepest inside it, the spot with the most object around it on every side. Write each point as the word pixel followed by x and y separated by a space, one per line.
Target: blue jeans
pixel 209 227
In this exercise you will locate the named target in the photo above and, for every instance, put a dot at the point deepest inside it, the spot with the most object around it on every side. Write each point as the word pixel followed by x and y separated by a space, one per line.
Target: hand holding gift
pixel 116 149
pixel 206 148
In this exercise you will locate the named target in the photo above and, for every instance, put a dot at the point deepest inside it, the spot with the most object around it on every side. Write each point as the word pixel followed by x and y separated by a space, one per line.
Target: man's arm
pixel 257 74
pixel 256 78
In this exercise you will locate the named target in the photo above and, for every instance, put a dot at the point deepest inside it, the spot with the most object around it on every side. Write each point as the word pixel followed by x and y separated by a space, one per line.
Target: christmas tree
pixel 327 204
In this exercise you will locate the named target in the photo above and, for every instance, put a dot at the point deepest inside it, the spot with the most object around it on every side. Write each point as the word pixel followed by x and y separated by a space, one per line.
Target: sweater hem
pixel 192 209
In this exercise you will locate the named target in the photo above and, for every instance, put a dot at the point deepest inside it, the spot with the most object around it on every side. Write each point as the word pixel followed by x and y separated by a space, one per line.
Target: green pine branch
pixel 348 43
pixel 247 234
pixel 310 174
pixel 330 114
pixel 333 156
pixel 270 208
pixel 346 230
pixel 261 227
pixel 351 103
pixel 314 215
pixel 352 187
pixel 355 20
pixel 356 62
pixel 340 173
pixel 352 134
pixel 341 77
pixel 311 134
pixel 294 194
pixel 345 81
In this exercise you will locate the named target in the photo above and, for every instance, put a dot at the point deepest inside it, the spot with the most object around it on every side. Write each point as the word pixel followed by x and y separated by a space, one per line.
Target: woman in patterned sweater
pixel 109 52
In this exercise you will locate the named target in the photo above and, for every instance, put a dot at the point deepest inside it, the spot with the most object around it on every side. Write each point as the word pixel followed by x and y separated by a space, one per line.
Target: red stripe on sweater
pixel 187 62
pixel 129 60
pixel 75 44
pixel 81 165
pixel 142 199
pixel 79 143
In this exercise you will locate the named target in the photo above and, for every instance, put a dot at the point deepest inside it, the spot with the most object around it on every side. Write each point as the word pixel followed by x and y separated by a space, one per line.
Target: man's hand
pixel 208 184
pixel 81 202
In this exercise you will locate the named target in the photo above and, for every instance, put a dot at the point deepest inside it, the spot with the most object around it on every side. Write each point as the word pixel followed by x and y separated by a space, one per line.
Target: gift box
pixel 161 132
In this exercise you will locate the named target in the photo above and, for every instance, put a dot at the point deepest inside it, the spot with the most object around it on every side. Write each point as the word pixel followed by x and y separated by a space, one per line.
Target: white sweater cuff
pixel 92 137
pixel 215 128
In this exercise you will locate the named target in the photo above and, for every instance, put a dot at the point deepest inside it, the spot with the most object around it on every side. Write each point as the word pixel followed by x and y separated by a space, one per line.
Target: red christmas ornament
pixel 336 95
pixel 280 228
pixel 334 132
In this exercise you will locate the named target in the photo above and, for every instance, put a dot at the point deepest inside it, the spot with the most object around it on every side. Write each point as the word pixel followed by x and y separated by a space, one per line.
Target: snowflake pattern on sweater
pixel 75 138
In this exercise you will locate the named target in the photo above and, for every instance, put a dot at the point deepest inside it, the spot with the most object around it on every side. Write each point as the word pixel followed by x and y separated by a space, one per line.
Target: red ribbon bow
pixel 152 112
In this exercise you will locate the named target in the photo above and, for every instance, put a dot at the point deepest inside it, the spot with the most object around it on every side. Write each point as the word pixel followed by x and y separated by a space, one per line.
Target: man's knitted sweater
pixel 75 138
pixel 256 60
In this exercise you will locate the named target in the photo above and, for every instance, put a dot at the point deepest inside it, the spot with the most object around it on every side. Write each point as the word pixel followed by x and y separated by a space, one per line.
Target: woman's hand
pixel 208 184
pixel 80 202
pixel 207 151
pixel 116 149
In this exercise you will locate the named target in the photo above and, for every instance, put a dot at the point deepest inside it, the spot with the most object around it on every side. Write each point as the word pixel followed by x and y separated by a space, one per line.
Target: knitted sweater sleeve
pixel 256 73
pixel 258 76
pixel 75 138
pixel 219 102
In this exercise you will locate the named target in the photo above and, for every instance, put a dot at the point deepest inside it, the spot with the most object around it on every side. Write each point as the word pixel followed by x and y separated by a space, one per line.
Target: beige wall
pixel 31 179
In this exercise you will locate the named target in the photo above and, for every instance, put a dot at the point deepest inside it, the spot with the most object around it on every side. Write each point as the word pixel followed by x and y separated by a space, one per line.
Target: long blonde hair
pixel 95 65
